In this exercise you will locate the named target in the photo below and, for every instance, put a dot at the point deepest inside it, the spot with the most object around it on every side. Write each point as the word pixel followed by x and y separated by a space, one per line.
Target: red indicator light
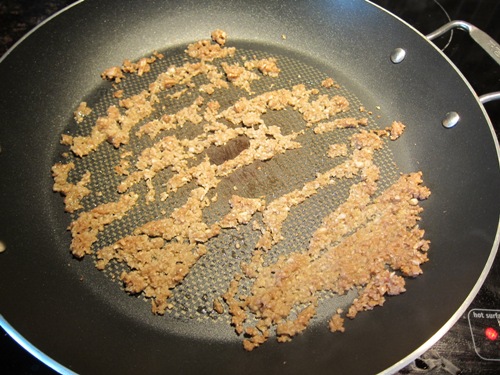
pixel 491 333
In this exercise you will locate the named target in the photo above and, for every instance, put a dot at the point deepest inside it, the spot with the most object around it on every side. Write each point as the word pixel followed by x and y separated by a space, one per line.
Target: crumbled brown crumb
pixel 219 36
pixel 85 229
pixel 123 167
pixel 336 323
pixel 329 83
pixel 218 307
pixel 73 193
pixel 268 67
pixel 338 262
pixel 158 55
pixel 115 127
pixel 115 73
pixel 81 112
pixel 207 51
pixel 396 130
pixel 239 76
pixel 242 211
pixel 337 150
pixel 118 94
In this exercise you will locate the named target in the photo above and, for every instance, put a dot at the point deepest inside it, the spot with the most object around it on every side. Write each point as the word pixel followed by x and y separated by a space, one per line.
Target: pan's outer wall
pixel 46 76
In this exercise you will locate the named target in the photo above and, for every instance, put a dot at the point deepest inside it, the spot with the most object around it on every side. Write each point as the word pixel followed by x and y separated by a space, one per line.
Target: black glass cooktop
pixel 471 346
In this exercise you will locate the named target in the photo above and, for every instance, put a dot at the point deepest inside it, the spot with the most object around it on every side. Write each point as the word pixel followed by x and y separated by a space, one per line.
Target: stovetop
pixel 461 350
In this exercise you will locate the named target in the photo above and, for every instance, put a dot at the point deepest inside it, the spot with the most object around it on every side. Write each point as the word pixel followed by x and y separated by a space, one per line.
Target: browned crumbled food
pixel 396 130
pixel 365 139
pixel 217 81
pixel 239 76
pixel 265 142
pixel 207 51
pixel 286 330
pixel 359 259
pixel 242 211
pixel 278 210
pixel 123 167
pixel 85 229
pixel 158 55
pixel 351 249
pixel 348 122
pixel 336 323
pixel 337 150
pixel 218 307
pixel 118 94
pixel 113 74
pixel 81 112
pixel 268 67
pixel 152 253
pixel 140 67
pixel 179 75
pixel 249 111
pixel 66 139
pixel 177 94
pixel 329 83
pixel 219 36
pixel 169 247
pixel 115 127
pixel 323 108
pixel 211 111
pixel 168 122
pixel 246 112
pixel 335 227
pixel 73 193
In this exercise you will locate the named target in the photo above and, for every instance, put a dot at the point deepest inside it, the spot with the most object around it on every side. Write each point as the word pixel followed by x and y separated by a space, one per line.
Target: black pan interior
pixel 76 316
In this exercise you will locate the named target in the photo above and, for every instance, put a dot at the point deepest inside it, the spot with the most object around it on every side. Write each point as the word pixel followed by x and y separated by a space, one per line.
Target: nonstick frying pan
pixel 81 320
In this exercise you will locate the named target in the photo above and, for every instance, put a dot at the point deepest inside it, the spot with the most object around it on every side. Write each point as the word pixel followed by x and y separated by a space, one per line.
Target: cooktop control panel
pixel 485 329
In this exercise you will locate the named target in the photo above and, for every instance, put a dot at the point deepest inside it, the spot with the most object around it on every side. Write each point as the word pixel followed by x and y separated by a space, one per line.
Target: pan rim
pixel 9 329
pixel 34 351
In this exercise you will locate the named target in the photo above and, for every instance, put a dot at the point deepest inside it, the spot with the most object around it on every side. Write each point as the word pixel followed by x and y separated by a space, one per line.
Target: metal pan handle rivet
pixel 398 55
pixel 450 120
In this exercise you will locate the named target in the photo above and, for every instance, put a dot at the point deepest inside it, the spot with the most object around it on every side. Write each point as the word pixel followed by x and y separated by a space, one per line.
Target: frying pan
pixel 84 323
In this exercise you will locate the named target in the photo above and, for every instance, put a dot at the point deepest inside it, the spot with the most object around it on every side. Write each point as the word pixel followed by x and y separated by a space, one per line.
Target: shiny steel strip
pixel 485 41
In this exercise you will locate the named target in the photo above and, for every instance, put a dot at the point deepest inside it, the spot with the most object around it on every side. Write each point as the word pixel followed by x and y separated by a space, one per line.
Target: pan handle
pixel 485 41
pixel 489 97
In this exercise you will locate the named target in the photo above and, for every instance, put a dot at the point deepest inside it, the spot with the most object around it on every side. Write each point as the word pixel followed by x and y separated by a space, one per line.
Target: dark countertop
pixel 17 17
